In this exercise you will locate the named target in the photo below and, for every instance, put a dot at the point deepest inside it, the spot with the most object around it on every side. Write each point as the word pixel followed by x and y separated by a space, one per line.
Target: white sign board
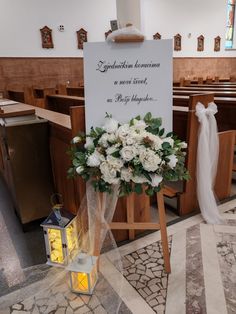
pixel 127 80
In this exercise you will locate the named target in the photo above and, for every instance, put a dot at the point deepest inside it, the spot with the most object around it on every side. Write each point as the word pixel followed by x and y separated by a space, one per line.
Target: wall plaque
pixel 46 36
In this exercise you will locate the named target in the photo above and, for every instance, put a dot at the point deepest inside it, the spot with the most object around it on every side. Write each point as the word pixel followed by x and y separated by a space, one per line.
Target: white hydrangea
pixel 89 143
pixel 111 125
pixel 173 161
pixel 156 180
pixel 126 174
pixel 128 152
pixel 95 159
pixel 109 173
pixel 150 160
pixel 103 141
pixel 115 163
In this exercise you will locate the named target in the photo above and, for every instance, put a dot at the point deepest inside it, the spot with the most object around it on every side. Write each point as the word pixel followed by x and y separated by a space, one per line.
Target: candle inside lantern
pixel 83 273
pixel 55 241
pixel 80 282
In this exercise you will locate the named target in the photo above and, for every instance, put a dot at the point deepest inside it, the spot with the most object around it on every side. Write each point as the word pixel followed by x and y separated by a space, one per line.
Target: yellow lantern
pixel 83 274
pixel 61 238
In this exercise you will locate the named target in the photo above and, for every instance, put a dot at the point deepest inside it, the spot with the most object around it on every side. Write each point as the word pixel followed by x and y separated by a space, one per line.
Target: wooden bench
pixel 24 95
pixel 217 93
pixel 206 88
pixel 62 103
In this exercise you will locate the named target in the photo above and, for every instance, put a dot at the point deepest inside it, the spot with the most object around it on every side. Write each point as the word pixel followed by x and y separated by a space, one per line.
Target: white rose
pixel 149 160
pixel 111 125
pixel 103 141
pixel 173 161
pixel 130 140
pixel 169 140
pixel 76 139
pixel 156 180
pixel 128 153
pixel 79 169
pixel 139 124
pixel 126 174
pixel 94 159
pixel 183 145
pixel 123 131
pixel 115 163
pixel 139 179
pixel 89 143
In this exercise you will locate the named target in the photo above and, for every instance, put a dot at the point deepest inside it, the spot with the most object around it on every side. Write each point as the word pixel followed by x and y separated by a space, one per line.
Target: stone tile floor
pixel 59 300
pixel 144 269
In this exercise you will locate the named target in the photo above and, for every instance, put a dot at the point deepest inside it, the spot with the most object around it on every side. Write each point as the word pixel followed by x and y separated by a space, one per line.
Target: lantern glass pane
pixel 93 276
pixel 80 282
pixel 55 243
pixel 72 241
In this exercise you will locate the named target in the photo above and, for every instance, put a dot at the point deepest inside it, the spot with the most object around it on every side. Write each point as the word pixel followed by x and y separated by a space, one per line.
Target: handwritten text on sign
pixel 127 80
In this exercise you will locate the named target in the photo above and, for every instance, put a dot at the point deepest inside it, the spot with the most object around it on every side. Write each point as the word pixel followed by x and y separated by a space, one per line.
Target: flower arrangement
pixel 135 155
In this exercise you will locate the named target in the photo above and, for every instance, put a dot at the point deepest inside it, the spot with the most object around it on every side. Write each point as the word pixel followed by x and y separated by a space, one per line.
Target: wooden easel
pixel 131 225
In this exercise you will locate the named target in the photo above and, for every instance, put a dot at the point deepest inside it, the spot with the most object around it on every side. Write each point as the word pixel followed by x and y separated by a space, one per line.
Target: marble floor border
pixel 214 291
pixel 176 292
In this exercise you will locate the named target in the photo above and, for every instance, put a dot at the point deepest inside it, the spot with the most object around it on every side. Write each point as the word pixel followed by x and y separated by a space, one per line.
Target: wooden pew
pixel 226 110
pixel 62 103
pixel 206 88
pixel 40 95
pixel 24 95
pixel 217 93
pixel 71 90
pixel 186 126
pixel 214 85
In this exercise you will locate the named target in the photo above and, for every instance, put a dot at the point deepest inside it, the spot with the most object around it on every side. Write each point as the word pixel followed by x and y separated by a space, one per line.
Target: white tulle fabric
pixel 129 30
pixel 207 160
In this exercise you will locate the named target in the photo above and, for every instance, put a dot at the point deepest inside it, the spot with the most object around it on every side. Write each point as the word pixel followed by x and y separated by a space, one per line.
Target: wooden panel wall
pixel 47 72
pixel 202 67
pixel 44 72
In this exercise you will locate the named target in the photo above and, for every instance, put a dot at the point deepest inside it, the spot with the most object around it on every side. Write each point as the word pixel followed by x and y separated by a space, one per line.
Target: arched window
pixel 229 38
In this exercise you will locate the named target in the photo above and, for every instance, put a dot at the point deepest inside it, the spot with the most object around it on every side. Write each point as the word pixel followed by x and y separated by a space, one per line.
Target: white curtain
pixel 207 160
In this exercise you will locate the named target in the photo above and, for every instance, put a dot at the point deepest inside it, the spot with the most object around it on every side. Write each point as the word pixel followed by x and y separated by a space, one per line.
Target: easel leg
pixel 164 239
pixel 97 238
pixel 130 213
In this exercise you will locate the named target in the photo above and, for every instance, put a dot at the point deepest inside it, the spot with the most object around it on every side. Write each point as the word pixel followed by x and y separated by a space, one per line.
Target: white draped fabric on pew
pixel 207 160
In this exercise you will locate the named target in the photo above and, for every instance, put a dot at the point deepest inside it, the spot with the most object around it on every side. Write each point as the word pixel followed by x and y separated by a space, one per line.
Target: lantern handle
pixel 56 201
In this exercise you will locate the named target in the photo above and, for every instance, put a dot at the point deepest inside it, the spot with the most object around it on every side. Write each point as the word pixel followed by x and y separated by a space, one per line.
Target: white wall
pixel 198 17
pixel 20 21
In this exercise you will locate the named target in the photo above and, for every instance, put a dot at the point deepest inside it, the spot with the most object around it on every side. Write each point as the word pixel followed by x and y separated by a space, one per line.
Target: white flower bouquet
pixel 135 155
